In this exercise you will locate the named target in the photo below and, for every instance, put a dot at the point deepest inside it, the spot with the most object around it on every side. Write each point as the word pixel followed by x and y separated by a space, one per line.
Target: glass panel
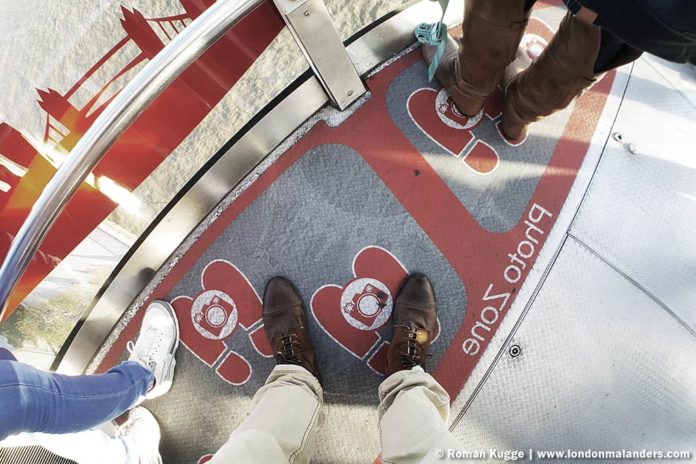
pixel 352 16
pixel 55 87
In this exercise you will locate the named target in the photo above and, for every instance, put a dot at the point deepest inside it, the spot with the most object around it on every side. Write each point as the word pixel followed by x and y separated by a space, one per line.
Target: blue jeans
pixel 32 400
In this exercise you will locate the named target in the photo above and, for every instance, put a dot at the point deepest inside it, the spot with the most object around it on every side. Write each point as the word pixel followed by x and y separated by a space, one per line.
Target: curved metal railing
pixel 117 117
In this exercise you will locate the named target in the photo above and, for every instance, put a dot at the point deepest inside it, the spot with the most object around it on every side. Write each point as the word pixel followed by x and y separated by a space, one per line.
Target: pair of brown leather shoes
pixel 471 69
pixel 414 320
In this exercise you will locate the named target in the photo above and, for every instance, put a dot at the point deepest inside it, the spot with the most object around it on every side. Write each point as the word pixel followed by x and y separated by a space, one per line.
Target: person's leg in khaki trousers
pixel 284 419
pixel 414 408
pixel 413 414
pixel 286 411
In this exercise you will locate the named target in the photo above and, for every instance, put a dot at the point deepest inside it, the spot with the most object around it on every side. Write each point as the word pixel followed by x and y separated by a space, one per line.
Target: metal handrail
pixel 116 118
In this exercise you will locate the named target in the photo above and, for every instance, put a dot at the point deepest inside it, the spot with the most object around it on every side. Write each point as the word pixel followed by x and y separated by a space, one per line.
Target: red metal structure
pixel 155 134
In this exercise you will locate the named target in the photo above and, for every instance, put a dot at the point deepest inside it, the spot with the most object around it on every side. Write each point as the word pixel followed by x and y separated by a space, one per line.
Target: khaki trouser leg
pixel 413 414
pixel 281 428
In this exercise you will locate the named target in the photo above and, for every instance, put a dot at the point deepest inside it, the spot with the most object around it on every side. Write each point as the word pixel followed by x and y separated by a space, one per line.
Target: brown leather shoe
pixel 415 323
pixel 564 69
pixel 471 70
pixel 285 322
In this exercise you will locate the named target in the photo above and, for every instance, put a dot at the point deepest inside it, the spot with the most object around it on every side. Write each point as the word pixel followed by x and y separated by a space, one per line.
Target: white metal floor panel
pixel 682 77
pixel 602 367
pixel 640 211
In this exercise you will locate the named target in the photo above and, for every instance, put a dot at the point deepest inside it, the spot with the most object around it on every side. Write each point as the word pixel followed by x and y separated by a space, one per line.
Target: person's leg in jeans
pixel 36 401
pixel 414 408
pixel 287 411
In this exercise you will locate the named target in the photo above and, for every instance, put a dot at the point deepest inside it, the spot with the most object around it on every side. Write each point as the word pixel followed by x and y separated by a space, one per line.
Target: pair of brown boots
pixel 414 320
pixel 492 29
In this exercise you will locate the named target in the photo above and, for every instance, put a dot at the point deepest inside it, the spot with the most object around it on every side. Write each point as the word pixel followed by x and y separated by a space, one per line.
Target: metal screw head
pixel 350 93
pixel 617 136
pixel 515 351
pixel 306 13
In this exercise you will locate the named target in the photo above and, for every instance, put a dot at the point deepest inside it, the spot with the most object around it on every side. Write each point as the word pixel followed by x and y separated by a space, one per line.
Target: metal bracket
pixel 311 26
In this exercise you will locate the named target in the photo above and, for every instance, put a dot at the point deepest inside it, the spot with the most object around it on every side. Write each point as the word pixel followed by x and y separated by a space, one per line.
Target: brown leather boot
pixel 564 69
pixel 415 323
pixel 470 71
pixel 285 322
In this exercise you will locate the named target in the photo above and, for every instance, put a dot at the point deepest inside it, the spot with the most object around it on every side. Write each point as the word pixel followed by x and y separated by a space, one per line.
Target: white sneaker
pixel 141 433
pixel 156 345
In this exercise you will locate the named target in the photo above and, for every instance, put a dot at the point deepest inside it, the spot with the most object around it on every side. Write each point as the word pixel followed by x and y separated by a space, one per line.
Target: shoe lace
pixel 410 350
pixel 147 347
pixel 289 349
